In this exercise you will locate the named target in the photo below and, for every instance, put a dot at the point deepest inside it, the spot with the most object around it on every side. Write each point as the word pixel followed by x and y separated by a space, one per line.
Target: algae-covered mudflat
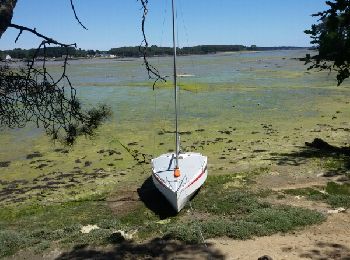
pixel 250 113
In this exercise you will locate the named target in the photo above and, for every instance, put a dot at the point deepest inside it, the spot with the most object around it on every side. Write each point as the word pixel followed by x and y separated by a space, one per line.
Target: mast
pixel 177 143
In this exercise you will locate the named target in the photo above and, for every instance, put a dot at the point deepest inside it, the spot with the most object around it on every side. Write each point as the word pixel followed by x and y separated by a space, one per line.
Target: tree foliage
pixel 332 39
pixel 134 51
pixel 37 97
pixel 50 52
pixel 31 94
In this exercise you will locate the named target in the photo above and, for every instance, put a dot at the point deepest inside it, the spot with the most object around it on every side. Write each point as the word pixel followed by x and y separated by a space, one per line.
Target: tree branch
pixel 75 15
pixel 153 73
pixel 31 94
pixel 47 39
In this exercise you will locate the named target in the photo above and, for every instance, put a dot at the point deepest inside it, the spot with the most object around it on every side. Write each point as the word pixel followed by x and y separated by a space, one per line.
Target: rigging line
pixel 194 69
pixel 177 45
pixel 165 11
pixel 162 115
pixel 154 120
pixel 162 29
pixel 186 35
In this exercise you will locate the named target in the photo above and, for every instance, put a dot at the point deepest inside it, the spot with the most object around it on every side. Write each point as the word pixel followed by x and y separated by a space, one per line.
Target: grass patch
pixel 37 225
pixel 224 211
pixel 259 222
pixel 339 194
pixel 238 214
pixel 11 241
pixel 335 163
pixel 310 193
pixel 336 195
pixel 338 189
pixel 188 86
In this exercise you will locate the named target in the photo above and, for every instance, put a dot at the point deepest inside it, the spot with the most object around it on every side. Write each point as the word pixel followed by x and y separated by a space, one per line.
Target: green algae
pixel 241 120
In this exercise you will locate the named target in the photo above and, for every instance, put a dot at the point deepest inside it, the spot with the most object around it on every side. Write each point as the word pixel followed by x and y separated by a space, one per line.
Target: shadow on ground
pixel 155 249
pixel 317 149
pixel 324 250
pixel 154 200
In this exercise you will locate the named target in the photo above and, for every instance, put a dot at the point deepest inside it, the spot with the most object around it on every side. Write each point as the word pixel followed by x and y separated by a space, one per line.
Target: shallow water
pixel 260 82
pixel 242 85
pixel 241 91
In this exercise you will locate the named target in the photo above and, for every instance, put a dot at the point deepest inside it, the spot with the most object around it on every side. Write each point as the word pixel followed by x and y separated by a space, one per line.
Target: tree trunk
pixel 6 13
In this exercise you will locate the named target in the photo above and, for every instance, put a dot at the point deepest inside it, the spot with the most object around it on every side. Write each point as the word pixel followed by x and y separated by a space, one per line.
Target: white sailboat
pixel 178 175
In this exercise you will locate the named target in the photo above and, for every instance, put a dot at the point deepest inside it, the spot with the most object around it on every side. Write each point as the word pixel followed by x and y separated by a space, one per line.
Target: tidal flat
pixel 250 113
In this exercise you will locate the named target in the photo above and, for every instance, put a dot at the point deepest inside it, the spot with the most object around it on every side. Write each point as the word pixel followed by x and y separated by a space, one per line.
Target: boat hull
pixel 179 190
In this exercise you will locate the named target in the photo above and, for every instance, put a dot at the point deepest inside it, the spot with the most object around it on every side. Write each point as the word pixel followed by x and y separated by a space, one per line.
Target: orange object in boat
pixel 177 172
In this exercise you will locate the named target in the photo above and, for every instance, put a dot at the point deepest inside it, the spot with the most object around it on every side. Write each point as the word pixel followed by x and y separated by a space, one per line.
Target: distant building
pixel 8 57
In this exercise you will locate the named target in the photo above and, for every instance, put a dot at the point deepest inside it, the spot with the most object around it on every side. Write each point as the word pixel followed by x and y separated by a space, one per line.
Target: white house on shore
pixel 8 57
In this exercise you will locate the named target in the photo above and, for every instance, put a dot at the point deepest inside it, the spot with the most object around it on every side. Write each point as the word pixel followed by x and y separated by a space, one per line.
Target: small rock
pixel 335 211
pixel 87 229
pixel 123 234
pixel 265 257
pixel 342 178
pixel 87 163
pixel 5 164
pixel 34 155
pixel 320 174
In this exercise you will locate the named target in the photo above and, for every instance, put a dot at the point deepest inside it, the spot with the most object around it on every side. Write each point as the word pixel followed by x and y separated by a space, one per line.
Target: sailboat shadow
pixel 154 200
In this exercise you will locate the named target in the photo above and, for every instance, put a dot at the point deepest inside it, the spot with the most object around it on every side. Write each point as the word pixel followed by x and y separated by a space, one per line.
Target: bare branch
pixel 75 14
pixel 31 94
pixel 19 34
pixel 153 72
pixel 47 39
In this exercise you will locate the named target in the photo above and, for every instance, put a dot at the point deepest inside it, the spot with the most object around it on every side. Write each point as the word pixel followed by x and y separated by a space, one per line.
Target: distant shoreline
pixel 58 53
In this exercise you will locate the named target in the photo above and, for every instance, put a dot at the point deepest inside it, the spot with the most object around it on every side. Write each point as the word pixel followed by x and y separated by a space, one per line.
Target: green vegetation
pixel 237 130
pixel 50 52
pixel 246 220
pixel 239 214
pixel 336 195
pixel 187 86
pixel 154 50
pixel 37 225
pixel 310 193
pixel 330 36
pixel 223 210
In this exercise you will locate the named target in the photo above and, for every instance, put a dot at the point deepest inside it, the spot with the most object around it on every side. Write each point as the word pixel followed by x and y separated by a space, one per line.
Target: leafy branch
pixel 32 94
pixel 332 39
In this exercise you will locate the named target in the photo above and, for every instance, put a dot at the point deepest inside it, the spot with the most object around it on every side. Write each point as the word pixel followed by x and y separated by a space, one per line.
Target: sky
pixel 117 23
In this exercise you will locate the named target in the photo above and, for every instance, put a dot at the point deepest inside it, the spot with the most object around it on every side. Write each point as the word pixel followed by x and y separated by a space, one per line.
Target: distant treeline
pixel 58 52
pixel 51 52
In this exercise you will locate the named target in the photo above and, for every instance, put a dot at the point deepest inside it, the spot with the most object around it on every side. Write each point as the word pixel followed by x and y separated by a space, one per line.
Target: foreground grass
pixel 239 214
pixel 38 226
pixel 336 195
pixel 219 210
